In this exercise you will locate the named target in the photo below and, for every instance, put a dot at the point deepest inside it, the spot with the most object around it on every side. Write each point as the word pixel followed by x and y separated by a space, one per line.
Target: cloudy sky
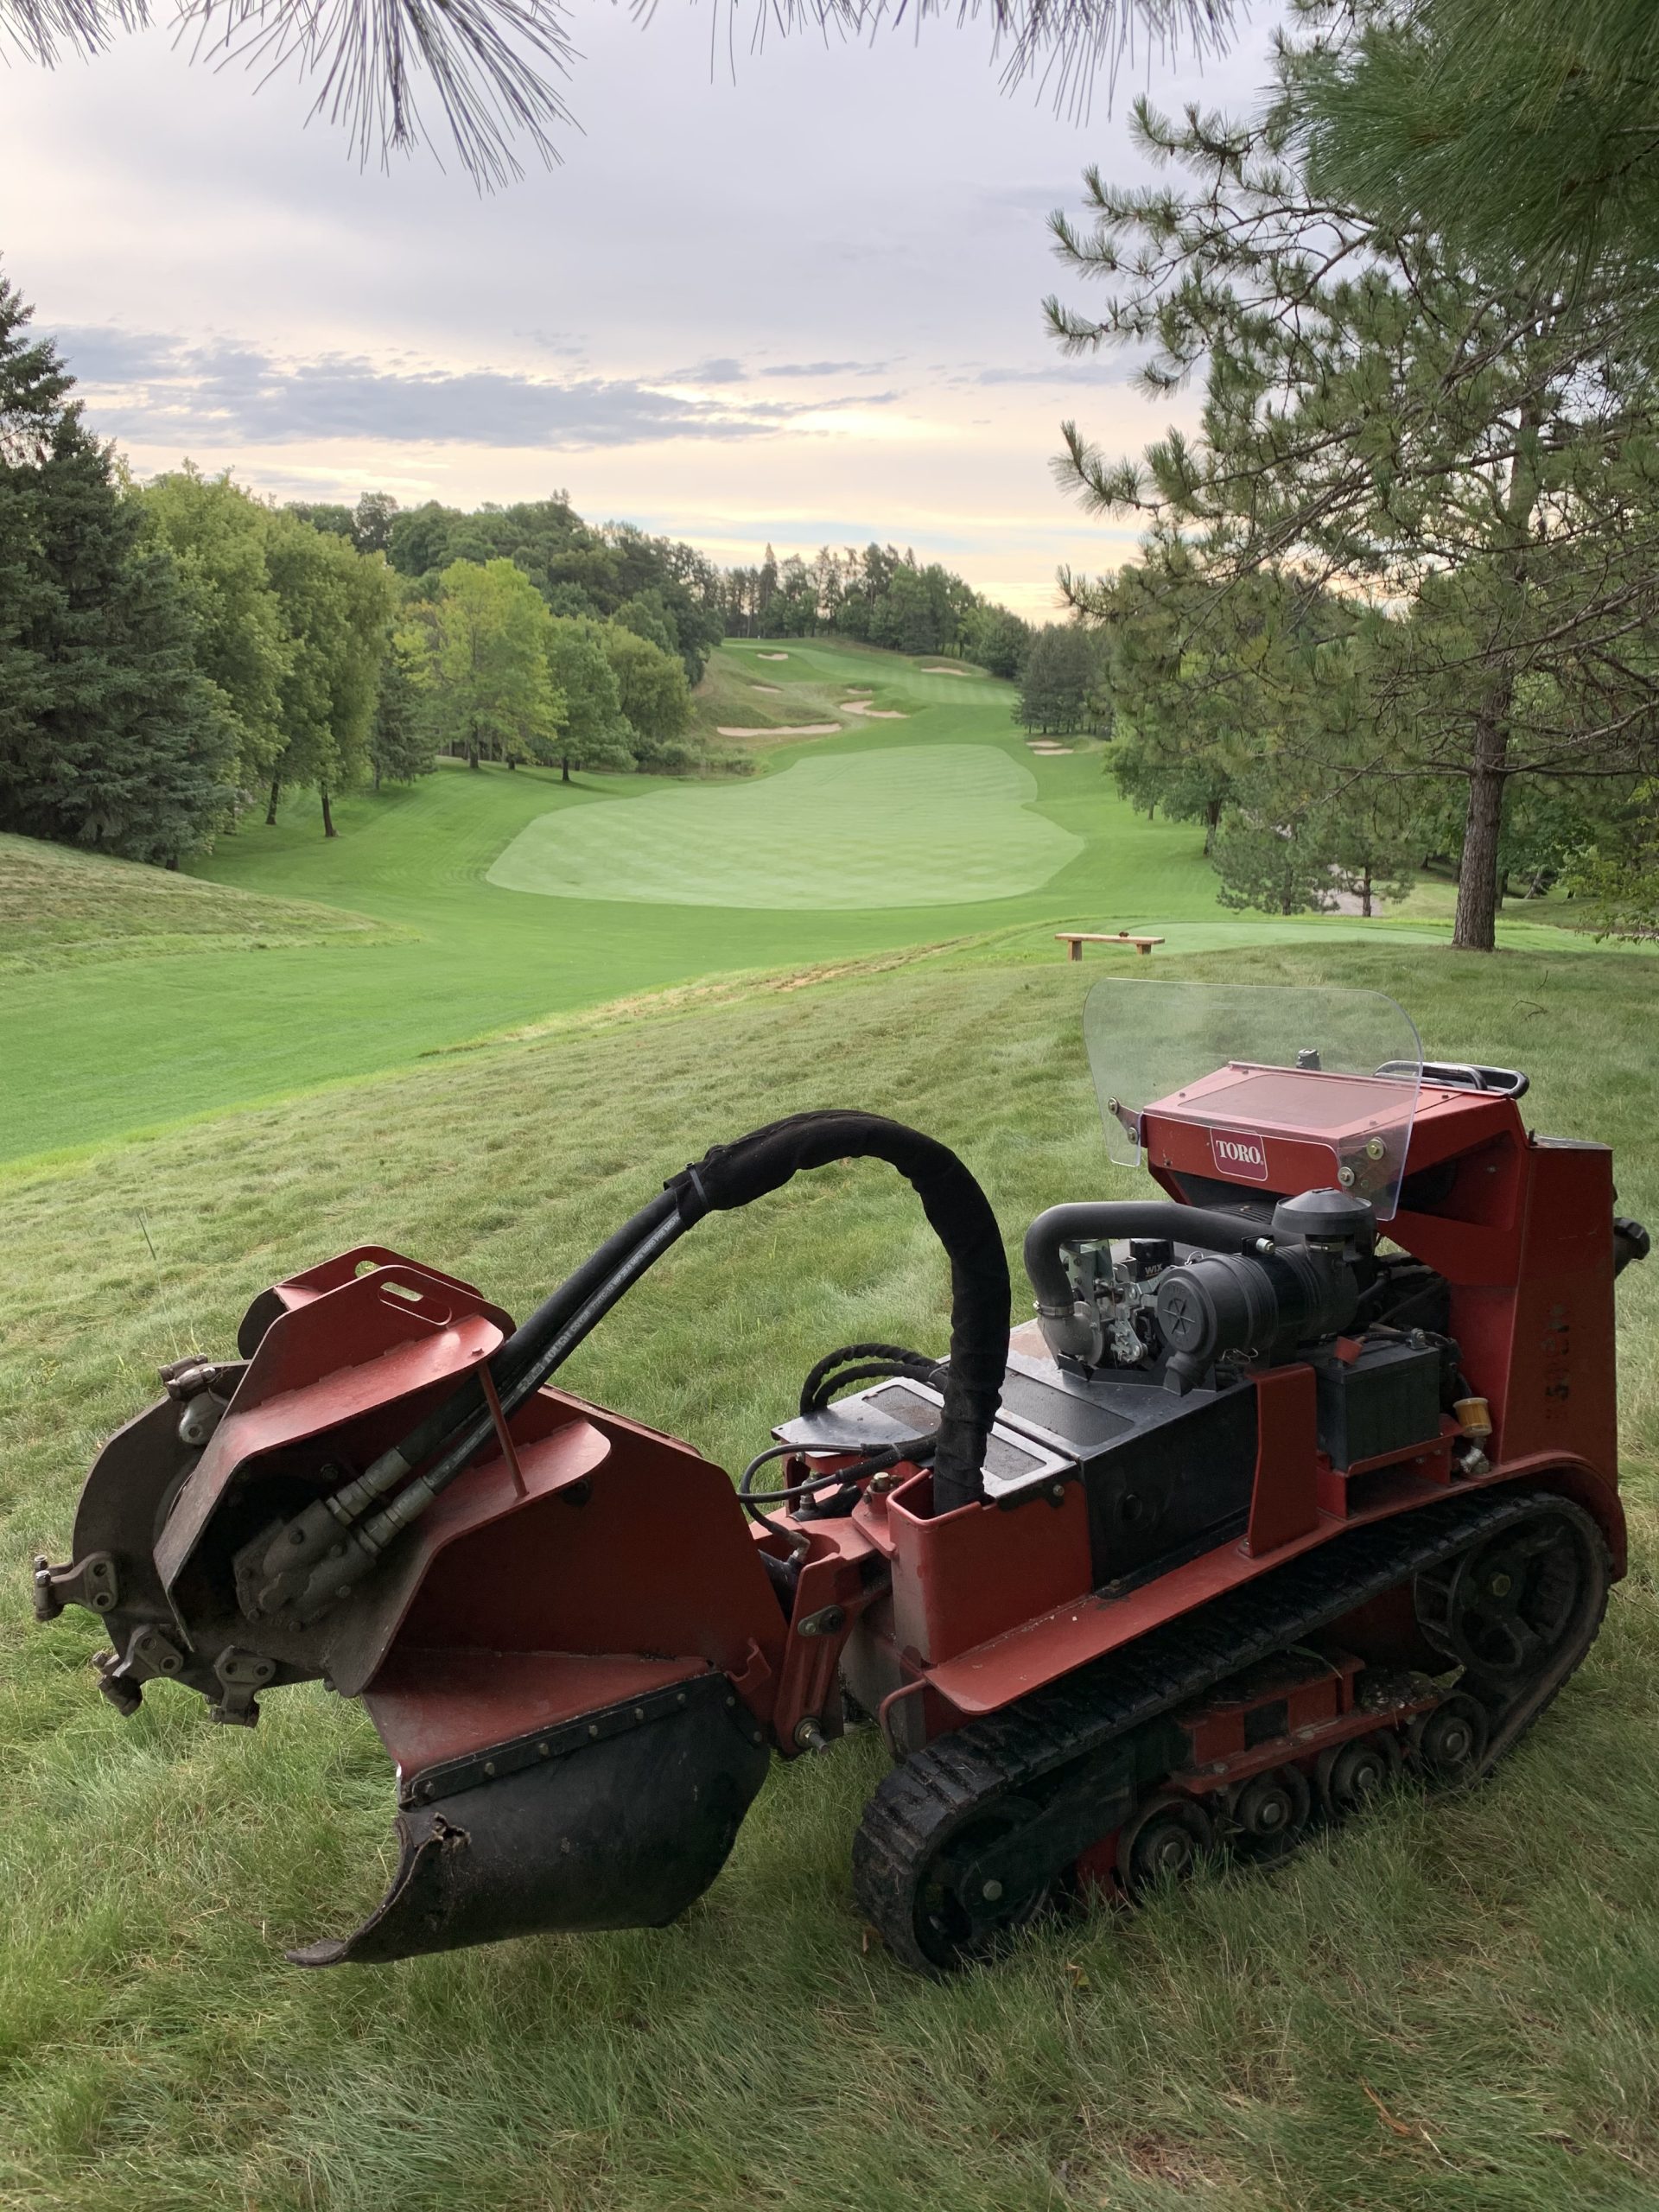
pixel 798 302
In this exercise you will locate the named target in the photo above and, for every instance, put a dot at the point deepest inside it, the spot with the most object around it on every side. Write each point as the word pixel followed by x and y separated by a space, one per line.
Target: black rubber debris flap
pixel 624 1832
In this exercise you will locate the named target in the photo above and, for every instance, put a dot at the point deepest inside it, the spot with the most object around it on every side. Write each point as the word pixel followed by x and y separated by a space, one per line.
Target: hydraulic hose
pixel 317 1558
pixel 961 1217
pixel 1202 1226
pixel 519 1356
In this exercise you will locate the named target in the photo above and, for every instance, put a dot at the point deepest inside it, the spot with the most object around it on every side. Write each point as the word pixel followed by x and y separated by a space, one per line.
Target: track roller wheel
pixel 1449 1743
pixel 1505 1609
pixel 1164 1840
pixel 962 1918
pixel 1269 1813
pixel 1353 1774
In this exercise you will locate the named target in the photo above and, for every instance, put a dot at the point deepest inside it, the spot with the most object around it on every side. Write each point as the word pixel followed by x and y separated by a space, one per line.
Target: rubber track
pixel 935 1790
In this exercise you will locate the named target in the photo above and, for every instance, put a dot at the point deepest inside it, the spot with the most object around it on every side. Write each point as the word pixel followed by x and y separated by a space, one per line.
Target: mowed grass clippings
pixel 1453 2004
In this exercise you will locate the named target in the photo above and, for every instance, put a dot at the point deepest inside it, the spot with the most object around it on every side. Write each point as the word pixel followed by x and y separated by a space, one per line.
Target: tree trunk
pixel 1365 893
pixel 512 760
pixel 271 811
pixel 1476 928
pixel 173 863
pixel 328 829
pixel 1212 823
pixel 377 775
pixel 565 770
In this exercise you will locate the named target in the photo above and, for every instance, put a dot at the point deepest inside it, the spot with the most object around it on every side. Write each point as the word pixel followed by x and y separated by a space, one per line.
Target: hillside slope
pixel 62 908
pixel 1452 2003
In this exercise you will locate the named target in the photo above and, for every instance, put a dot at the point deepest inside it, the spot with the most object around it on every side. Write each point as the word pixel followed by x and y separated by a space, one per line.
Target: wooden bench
pixel 1077 939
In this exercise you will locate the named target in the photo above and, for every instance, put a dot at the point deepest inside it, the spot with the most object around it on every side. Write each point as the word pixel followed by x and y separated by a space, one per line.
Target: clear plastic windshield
pixel 1257 1083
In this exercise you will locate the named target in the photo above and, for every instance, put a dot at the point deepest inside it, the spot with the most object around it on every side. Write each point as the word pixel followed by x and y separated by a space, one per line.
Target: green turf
pixel 157 1037
pixel 908 826
pixel 61 908
pixel 1452 2005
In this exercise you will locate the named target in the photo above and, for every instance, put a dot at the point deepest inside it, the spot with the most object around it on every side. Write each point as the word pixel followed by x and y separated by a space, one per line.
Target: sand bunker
pixel 950 672
pixel 776 688
pixel 787 729
pixel 876 714
pixel 1049 748
pixel 772 656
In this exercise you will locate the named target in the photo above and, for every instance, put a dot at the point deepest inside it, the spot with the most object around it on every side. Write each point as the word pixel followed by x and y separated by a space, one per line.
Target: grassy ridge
pixel 61 908
pixel 1451 2005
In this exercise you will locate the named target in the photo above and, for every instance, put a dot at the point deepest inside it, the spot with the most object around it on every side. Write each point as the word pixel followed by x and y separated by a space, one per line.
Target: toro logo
pixel 1245 1158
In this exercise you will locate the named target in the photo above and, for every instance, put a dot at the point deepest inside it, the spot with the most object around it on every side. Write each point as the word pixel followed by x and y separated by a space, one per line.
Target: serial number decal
pixel 1557 1350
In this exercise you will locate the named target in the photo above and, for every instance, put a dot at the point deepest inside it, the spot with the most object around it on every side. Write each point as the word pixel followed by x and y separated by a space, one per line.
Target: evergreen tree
pixel 109 736
pixel 1468 456
pixel 400 742
pixel 1061 686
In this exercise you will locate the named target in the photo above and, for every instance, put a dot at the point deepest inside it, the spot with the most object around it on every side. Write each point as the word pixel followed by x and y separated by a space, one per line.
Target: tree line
pixel 877 596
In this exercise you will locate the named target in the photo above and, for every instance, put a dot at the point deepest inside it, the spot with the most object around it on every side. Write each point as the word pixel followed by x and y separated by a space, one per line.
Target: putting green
pixel 934 825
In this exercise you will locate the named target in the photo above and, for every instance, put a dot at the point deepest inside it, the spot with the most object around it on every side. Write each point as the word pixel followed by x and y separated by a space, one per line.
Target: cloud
pixel 722 369
pixel 826 369
pixel 164 390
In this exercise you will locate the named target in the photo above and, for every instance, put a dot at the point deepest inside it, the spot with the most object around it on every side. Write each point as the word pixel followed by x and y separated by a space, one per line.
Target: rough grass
pixel 1452 2005
pixel 61 908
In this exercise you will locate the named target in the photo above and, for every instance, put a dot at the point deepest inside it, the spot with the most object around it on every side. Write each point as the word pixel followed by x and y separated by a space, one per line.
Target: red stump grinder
pixel 1302 1476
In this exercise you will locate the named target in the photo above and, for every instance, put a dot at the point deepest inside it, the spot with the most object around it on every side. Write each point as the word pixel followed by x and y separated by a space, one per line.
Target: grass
pixel 60 908
pixel 1451 2005
pixel 421 951
pixel 904 826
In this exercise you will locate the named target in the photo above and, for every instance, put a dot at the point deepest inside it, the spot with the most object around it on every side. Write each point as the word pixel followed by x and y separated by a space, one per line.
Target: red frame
pixel 598 1559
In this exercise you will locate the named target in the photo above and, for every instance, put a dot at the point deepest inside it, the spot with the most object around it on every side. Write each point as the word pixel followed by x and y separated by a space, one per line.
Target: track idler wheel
pixel 1165 1841
pixel 1352 1775
pixel 1449 1744
pixel 1268 1813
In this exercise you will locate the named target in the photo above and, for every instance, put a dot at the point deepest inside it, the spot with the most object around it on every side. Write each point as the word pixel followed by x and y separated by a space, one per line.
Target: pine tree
pixel 108 734
pixel 400 743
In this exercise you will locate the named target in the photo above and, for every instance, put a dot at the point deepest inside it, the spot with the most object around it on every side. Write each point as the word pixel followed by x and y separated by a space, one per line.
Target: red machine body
pixel 586 1581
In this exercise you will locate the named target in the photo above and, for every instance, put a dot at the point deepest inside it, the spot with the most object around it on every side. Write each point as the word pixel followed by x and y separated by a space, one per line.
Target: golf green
pixel 933 826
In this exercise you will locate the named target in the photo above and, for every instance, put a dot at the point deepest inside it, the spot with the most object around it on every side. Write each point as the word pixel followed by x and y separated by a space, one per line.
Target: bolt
pixel 593 1727
pixel 808 1736
pixel 489 1767
pixel 542 1752
pixel 992 1892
